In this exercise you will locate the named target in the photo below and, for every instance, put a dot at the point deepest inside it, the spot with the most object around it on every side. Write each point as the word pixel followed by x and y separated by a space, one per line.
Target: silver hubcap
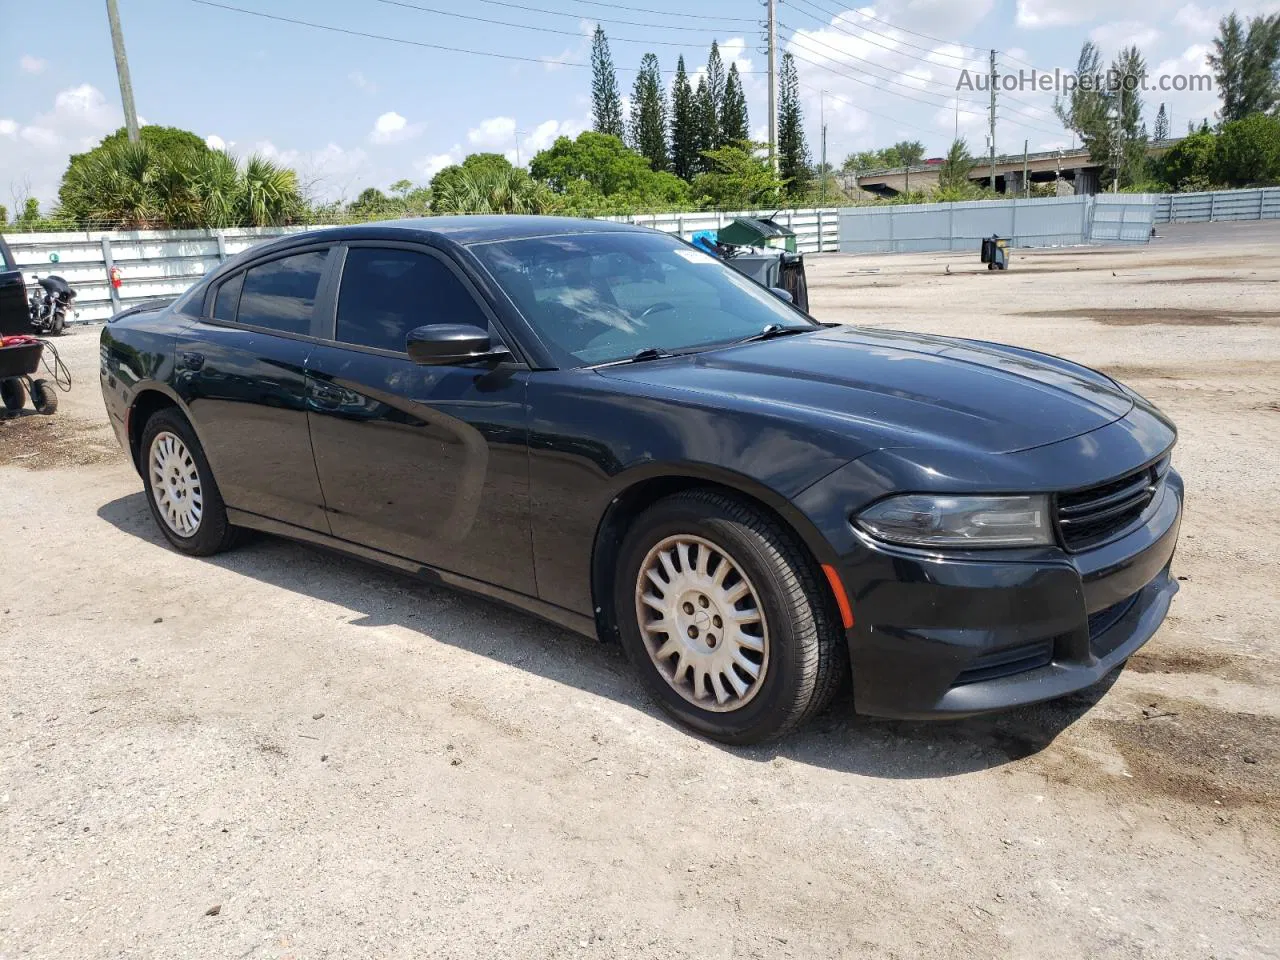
pixel 175 484
pixel 702 623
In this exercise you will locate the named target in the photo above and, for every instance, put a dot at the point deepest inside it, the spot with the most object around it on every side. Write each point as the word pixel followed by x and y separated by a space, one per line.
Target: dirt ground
pixel 280 753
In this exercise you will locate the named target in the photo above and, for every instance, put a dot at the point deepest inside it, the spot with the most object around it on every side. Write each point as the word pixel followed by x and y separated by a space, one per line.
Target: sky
pixel 353 111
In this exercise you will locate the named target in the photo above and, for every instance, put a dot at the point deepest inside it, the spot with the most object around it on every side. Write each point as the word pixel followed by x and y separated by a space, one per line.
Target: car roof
pixel 461 229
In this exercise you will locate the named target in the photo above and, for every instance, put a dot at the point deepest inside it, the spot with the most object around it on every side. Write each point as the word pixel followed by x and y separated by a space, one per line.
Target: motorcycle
pixel 49 305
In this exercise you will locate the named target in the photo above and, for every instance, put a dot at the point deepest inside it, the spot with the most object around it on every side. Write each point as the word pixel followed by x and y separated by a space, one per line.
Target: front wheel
pixel 13 394
pixel 181 491
pixel 720 611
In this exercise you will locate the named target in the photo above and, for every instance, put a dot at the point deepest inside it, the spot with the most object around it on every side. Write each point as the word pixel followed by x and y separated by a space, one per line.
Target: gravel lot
pixel 280 753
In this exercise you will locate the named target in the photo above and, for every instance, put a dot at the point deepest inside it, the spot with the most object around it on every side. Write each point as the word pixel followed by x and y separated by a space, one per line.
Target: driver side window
pixel 387 292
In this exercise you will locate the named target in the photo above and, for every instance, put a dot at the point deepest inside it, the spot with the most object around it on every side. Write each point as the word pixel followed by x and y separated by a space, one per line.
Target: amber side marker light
pixel 842 599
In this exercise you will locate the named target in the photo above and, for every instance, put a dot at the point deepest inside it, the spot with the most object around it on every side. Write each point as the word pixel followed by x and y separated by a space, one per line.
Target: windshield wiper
pixel 640 356
pixel 772 330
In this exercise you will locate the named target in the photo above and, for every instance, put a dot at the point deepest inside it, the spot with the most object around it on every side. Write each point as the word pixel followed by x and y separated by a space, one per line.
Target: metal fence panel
pixel 165 263
pixel 1259 204
pixel 1044 222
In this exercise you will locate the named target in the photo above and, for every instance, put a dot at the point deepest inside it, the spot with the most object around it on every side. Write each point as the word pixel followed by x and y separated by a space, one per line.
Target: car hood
pixel 894 389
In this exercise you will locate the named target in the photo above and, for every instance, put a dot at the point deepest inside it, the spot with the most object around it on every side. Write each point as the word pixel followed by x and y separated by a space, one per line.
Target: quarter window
pixel 386 293
pixel 224 305
pixel 281 294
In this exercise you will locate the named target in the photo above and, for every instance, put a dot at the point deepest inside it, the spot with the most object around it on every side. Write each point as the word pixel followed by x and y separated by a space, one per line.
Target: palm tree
pixel 135 187
pixel 118 187
pixel 505 190
pixel 269 193
pixel 215 177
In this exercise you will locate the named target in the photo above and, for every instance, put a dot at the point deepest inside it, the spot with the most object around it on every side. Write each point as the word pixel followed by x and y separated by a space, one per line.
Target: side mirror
pixel 782 294
pixel 450 343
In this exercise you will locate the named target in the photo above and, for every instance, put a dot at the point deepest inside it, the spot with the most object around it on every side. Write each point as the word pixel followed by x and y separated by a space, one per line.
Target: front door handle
pixel 191 361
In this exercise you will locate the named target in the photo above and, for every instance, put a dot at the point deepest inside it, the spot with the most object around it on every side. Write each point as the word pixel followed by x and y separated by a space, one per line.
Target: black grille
pixel 1087 518
pixel 1005 663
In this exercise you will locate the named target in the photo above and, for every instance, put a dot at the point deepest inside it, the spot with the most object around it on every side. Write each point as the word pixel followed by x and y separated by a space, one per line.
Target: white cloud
pixel 390 127
pixel 1036 14
pixel 30 64
pixel 492 133
pixel 8 127
pixel 86 103
pixel 39 136
pixel 362 82
pixel 1113 37
pixel 431 165
pixel 215 142
pixel 560 60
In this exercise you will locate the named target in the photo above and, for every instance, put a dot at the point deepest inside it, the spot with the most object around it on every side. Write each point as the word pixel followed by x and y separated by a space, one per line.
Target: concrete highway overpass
pixel 1072 168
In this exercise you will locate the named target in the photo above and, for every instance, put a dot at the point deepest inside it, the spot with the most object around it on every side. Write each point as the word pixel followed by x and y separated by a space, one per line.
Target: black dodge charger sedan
pixel 608 428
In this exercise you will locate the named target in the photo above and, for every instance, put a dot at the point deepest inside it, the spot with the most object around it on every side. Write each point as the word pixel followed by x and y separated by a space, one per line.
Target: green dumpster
pixel 761 232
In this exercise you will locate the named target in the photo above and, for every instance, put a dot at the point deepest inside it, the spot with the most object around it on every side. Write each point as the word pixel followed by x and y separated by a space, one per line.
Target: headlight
pixel 920 520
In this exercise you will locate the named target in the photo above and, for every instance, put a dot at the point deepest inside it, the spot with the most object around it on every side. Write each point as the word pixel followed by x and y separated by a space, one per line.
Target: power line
pixel 1016 113
pixel 526 26
pixel 892 26
pixel 668 13
pixel 858 106
pixel 927 93
pixel 795 35
pixel 408 42
pixel 838 17
pixel 622 23
pixel 867 83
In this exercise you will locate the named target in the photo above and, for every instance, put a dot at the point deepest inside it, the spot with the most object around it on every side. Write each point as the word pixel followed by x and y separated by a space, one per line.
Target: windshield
pixel 598 297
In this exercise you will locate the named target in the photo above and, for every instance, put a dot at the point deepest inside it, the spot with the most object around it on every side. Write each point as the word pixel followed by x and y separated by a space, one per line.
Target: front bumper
pixel 936 636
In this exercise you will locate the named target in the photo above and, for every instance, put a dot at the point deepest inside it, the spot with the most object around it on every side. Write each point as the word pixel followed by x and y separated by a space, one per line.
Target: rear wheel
pixel 44 397
pixel 181 491
pixel 13 394
pixel 721 613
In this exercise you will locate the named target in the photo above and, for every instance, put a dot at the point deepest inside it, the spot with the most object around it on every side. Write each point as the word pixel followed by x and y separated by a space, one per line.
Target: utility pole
pixel 517 135
pixel 991 120
pixel 822 121
pixel 772 6
pixel 122 71
pixel 1026 178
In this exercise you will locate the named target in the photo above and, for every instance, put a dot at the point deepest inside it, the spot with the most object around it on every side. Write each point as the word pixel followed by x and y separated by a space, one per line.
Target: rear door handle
pixel 191 361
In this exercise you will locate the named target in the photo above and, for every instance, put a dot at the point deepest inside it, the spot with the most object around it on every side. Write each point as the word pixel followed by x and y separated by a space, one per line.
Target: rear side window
pixel 224 306
pixel 281 294
pixel 385 293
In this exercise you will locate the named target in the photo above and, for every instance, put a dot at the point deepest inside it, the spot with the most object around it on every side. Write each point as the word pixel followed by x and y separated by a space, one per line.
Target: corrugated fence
pixel 1048 222
pixel 1260 204
pixel 156 263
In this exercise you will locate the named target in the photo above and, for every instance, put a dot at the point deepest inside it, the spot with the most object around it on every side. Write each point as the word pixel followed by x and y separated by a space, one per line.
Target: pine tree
pixel 1126 104
pixel 649 114
pixel 606 104
pixel 705 124
pixel 734 127
pixel 716 85
pixel 1227 63
pixel 1161 131
pixel 684 126
pixel 1260 69
pixel 793 151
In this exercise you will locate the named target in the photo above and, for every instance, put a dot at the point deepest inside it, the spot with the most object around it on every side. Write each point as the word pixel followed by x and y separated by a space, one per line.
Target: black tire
pixel 44 397
pixel 213 533
pixel 807 659
pixel 13 394
pixel 56 323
